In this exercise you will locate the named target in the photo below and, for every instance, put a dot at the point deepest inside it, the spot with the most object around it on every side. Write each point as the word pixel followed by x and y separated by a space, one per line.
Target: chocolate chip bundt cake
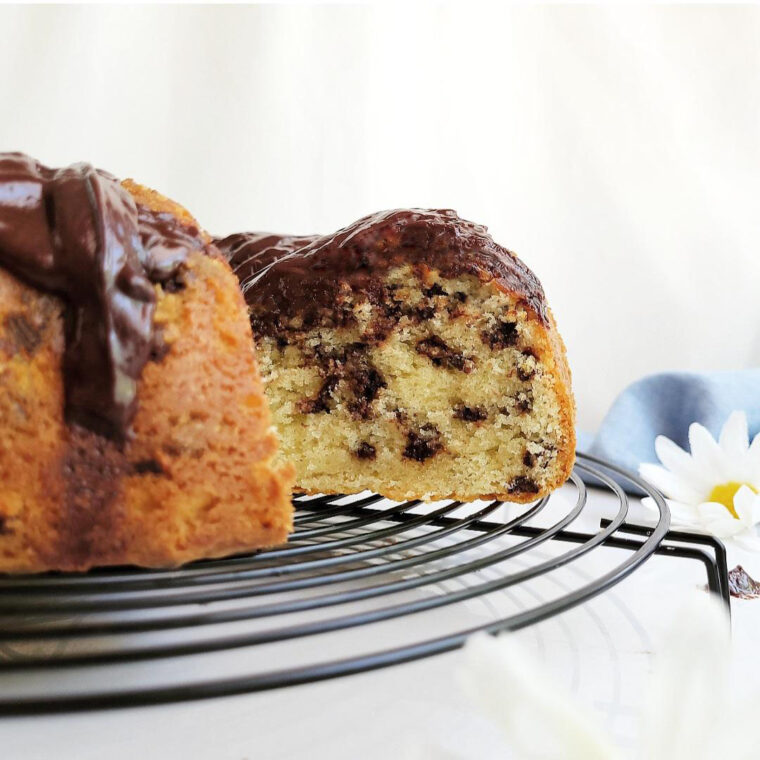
pixel 410 355
pixel 133 426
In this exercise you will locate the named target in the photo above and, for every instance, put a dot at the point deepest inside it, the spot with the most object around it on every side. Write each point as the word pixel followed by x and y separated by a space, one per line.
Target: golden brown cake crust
pixel 193 480
pixel 556 353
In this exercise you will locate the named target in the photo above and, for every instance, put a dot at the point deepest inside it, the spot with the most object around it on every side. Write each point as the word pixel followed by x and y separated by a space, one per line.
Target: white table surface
pixel 601 652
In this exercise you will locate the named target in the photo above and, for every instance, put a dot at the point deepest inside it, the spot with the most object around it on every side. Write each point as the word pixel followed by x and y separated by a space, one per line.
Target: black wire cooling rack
pixel 319 607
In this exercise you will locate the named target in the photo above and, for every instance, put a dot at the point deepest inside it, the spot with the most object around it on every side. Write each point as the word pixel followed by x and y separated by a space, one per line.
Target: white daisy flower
pixel 688 710
pixel 715 488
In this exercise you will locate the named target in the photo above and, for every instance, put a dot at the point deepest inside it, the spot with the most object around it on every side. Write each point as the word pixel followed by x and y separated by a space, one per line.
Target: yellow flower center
pixel 724 494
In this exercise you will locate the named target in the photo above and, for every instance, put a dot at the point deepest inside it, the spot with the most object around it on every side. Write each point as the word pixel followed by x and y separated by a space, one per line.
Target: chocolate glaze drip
pixel 77 233
pixel 166 242
pixel 287 275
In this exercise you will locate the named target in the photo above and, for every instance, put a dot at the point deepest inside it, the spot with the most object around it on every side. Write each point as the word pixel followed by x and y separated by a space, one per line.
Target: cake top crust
pixel 79 234
pixel 303 274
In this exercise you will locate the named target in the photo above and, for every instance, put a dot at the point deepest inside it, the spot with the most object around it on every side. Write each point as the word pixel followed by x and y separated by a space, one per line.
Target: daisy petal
pixel 680 463
pixel 681 515
pixel 673 486
pixel 753 459
pixel 649 503
pixel 704 448
pixel 712 510
pixel 744 504
pixel 726 527
pixel 652 515
pixel 684 515
pixel 734 437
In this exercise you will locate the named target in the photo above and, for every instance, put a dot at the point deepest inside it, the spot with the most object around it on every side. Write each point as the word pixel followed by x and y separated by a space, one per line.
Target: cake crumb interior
pixel 429 388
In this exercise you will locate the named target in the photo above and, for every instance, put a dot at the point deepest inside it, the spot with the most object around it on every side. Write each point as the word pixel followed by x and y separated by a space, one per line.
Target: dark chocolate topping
pixel 77 233
pixel 251 252
pixel 166 242
pixel 303 275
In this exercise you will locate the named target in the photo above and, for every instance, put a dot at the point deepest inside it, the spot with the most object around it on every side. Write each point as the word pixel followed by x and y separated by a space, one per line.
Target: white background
pixel 616 150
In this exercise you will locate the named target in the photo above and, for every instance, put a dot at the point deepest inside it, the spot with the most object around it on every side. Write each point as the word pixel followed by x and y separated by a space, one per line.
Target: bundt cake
pixel 410 355
pixel 133 426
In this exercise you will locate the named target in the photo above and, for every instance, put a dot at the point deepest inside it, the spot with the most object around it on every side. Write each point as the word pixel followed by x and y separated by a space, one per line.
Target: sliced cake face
pixel 407 366
pixel 166 455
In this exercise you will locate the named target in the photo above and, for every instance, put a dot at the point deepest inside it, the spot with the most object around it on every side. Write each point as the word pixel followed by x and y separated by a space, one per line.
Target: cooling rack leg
pixel 716 566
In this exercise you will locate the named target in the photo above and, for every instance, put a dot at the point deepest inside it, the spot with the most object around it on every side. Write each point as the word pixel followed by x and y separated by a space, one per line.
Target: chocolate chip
pixel 323 401
pixel 434 290
pixel 365 451
pixel 423 443
pixel 159 348
pixel 148 466
pixel 23 334
pixel 174 284
pixel 527 373
pixel 503 335
pixel 422 313
pixel 442 356
pixel 365 383
pixel 262 327
pixel 524 402
pixel 529 459
pixel 158 352
pixel 470 413
pixel 173 449
pixel 387 312
pixel 5 529
pixel 460 296
pixel 521 484
pixel 281 341
pixel 349 376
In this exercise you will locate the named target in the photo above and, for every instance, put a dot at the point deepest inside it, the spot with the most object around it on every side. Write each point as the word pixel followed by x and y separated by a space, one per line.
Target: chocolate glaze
pixel 78 234
pixel 251 252
pixel 287 275
pixel 166 241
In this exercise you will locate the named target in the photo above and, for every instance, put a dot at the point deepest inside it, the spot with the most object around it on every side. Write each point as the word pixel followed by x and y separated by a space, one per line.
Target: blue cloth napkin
pixel 666 404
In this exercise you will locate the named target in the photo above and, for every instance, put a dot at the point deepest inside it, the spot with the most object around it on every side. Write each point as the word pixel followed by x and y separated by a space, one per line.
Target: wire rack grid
pixel 353 564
